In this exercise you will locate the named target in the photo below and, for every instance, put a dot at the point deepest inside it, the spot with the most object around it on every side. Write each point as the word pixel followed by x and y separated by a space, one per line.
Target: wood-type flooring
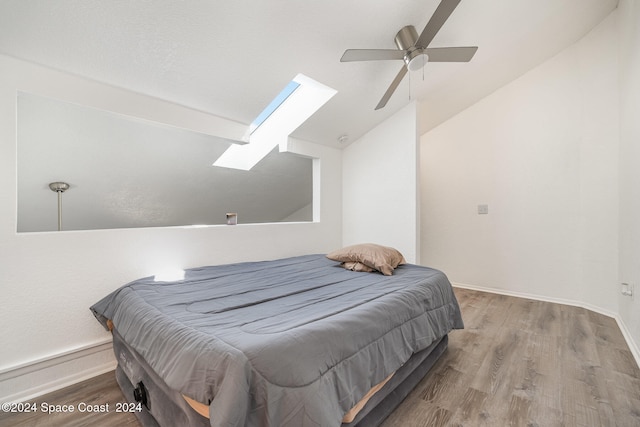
pixel 518 362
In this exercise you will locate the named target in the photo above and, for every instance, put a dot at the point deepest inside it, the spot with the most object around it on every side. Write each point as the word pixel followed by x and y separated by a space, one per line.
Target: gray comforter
pixel 291 342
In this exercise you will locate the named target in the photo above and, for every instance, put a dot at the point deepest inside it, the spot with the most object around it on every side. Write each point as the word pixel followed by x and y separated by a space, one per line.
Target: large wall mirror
pixel 125 172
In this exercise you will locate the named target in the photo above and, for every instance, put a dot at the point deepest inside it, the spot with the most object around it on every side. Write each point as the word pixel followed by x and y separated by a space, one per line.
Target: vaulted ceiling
pixel 231 58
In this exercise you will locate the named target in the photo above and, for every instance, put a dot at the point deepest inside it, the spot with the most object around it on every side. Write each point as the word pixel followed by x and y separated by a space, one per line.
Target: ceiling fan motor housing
pixel 415 57
pixel 406 37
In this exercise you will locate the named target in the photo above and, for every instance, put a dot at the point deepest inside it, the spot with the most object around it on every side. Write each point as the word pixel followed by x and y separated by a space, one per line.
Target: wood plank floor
pixel 518 362
pixel 521 362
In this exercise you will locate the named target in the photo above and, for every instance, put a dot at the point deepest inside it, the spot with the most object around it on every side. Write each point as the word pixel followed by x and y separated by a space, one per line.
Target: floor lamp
pixel 59 187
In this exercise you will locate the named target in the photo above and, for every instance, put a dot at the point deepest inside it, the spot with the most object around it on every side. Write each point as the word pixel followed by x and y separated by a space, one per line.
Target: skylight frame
pixel 278 123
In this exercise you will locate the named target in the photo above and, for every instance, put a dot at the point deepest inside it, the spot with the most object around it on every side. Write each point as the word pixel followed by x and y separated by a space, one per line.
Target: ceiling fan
pixel 414 50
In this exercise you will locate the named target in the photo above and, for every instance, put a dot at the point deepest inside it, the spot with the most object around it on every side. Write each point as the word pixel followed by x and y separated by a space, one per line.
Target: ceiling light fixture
pixel 416 59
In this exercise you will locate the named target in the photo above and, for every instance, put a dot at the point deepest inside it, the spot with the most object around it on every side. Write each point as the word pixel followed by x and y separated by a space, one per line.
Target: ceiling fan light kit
pixel 416 59
pixel 413 49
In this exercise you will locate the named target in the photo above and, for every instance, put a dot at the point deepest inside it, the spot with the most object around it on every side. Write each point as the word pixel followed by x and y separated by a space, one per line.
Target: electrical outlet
pixel 627 290
pixel 483 209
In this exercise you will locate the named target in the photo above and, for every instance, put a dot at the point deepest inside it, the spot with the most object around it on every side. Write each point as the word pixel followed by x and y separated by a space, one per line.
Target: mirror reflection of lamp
pixel 59 187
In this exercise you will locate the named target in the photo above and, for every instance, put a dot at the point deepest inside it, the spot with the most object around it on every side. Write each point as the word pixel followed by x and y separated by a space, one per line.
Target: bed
pixel 297 341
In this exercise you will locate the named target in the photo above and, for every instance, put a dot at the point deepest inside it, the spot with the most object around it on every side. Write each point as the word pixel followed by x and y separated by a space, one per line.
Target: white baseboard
pixel 633 346
pixel 30 380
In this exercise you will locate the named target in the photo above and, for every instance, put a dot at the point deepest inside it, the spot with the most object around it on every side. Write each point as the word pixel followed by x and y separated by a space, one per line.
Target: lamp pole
pixel 59 187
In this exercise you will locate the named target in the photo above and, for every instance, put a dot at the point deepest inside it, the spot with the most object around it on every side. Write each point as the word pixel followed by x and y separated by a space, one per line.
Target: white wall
pixel 49 280
pixel 629 22
pixel 542 152
pixel 379 186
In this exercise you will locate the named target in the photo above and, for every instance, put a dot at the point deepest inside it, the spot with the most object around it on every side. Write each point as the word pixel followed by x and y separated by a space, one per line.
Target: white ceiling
pixel 230 58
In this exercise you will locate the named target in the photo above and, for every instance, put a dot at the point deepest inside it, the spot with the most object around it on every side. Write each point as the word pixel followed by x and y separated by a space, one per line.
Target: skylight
pixel 273 105
pixel 300 99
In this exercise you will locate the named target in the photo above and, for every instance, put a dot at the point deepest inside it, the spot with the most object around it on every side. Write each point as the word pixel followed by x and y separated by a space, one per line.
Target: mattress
pixel 291 342
pixel 161 406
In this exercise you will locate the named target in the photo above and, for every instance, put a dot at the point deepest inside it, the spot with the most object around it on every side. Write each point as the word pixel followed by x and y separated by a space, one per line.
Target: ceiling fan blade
pixel 440 16
pixel 451 54
pixel 394 84
pixel 371 55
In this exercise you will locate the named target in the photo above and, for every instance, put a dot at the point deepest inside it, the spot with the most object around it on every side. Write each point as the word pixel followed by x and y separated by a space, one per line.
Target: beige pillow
pixel 356 266
pixel 381 258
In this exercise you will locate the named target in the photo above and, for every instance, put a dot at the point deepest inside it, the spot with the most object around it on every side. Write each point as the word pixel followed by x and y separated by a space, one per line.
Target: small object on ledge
pixel 232 218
